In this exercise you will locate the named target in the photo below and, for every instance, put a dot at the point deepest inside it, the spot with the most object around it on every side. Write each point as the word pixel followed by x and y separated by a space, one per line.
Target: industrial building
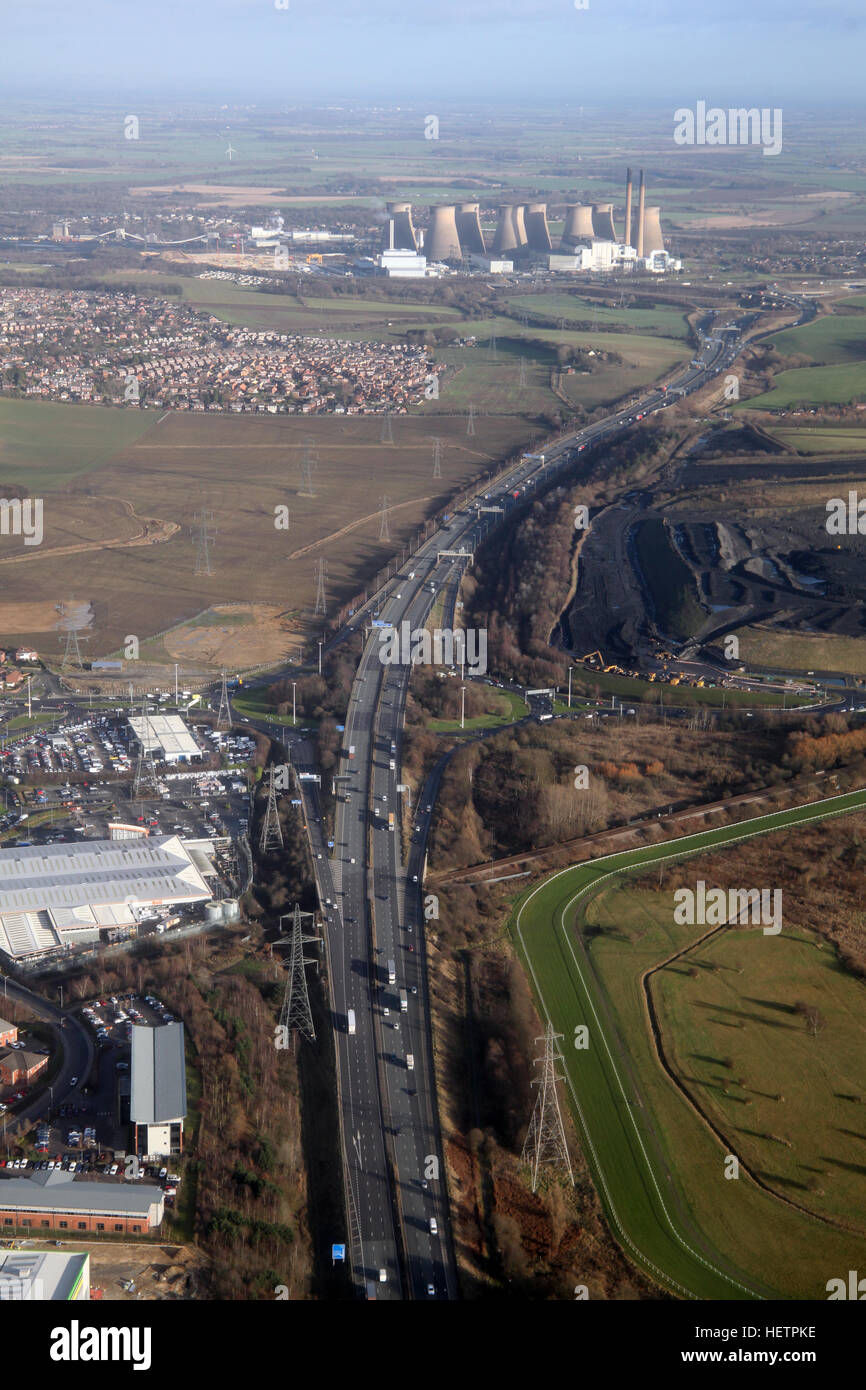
pixel 400 264
pixel 492 265
pixel 56 1200
pixel 30 1276
pixel 56 896
pixel 157 1104
pixel 166 736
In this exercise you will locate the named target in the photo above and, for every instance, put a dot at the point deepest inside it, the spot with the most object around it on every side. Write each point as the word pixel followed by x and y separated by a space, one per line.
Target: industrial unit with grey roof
pixel 48 890
pixel 158 1075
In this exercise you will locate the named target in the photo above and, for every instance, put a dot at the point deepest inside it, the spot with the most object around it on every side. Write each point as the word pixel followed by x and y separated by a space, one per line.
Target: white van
pixel 434 1229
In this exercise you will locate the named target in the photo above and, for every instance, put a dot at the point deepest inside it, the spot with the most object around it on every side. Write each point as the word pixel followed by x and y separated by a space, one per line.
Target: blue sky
pixel 760 52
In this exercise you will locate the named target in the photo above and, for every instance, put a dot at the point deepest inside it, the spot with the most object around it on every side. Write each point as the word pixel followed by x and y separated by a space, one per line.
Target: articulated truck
pixel 351 1017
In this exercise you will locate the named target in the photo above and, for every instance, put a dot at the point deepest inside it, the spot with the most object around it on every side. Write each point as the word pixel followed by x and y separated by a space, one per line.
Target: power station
pixel 589 239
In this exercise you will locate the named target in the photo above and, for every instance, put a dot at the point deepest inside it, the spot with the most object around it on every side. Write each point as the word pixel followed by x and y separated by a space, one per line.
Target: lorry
pixel 390 820
pixel 351 1018
pixel 404 1001
pixel 410 1061
pixel 351 750
pixel 392 972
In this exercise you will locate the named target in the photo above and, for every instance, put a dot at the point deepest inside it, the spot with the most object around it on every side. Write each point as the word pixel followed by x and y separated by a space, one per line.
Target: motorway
pixel 371 894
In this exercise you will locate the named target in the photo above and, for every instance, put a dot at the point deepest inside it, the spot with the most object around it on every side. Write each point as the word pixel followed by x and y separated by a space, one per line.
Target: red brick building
pixel 20 1066
pixel 8 1033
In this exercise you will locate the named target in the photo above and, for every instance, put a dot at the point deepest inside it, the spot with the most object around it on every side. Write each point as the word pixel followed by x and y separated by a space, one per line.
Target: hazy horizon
pixel 458 50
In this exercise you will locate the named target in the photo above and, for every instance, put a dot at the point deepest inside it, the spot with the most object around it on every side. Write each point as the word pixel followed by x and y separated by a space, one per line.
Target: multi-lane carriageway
pixel 394 1165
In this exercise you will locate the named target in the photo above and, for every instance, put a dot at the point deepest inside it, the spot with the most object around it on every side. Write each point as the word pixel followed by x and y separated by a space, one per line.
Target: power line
pixel 224 714
pixel 296 1014
pixel 545 1142
pixel 271 836
pixel 384 529
pixel 308 463
pixel 437 458
pixel 321 607
pixel 205 537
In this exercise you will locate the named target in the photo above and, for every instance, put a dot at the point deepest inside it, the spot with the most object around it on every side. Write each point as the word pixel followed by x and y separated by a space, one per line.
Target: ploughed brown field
pixel 123 536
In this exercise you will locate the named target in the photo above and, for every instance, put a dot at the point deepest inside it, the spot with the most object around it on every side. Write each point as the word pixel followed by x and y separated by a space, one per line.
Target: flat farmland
pixel 668 322
pixel 802 652
pixel 838 385
pixel 44 446
pixel 126 541
pixel 836 338
pixel 822 441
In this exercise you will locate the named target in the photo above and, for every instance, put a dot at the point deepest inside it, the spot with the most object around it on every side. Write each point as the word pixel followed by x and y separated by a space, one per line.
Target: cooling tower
pixel 626 236
pixel 469 229
pixel 578 224
pixel 641 204
pixel 506 238
pixel 518 217
pixel 602 221
pixel 652 232
pixel 537 230
pixel 442 242
pixel 405 238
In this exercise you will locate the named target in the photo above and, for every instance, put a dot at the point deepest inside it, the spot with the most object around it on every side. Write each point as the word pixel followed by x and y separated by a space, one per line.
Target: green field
pixel 821 441
pixel 43 446
pixel 657 1167
pixel 827 341
pixel 795 651
pixel 809 386
pixel 665 321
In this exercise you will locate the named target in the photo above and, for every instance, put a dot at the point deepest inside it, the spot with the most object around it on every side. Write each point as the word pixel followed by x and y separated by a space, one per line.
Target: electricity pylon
pixel 545 1142
pixel 145 771
pixel 387 431
pixel 296 1012
pixel 522 381
pixel 437 458
pixel 321 607
pixel 470 423
pixel 384 529
pixel 204 539
pixel 72 654
pixel 271 836
pixel 224 714
pixel 306 488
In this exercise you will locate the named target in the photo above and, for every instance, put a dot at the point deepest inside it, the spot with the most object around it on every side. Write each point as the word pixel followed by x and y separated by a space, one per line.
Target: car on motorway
pixel 434 1229
pixel 431 1290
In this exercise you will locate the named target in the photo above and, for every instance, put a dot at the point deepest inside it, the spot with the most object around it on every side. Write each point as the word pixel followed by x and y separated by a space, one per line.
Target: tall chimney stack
pixel 641 199
pixel 626 236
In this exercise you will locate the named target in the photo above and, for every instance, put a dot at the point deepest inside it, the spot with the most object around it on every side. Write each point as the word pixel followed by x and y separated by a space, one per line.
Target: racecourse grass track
pixel 702 1240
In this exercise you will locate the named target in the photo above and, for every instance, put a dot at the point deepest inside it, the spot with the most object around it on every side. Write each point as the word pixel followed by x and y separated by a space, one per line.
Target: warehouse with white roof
pixel 60 895
pixel 166 736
